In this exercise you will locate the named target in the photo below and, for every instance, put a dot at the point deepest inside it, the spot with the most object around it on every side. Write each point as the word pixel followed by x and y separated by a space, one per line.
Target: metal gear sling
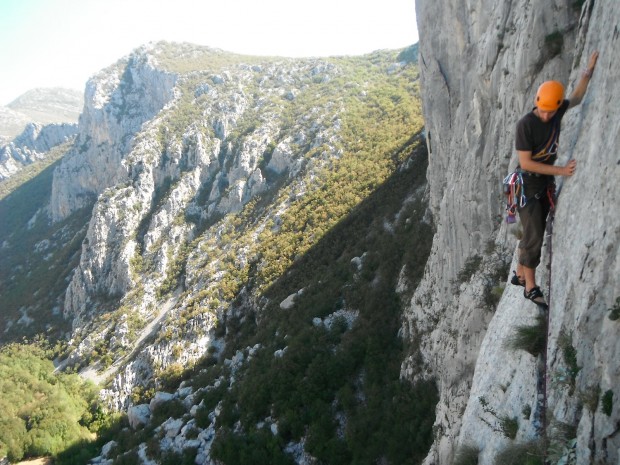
pixel 513 189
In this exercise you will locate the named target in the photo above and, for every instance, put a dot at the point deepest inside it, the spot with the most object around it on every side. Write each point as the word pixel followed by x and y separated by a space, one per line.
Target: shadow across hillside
pixel 36 260
pixel 327 368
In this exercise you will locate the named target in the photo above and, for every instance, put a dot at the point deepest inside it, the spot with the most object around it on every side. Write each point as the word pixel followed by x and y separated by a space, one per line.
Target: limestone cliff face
pixel 118 101
pixel 477 81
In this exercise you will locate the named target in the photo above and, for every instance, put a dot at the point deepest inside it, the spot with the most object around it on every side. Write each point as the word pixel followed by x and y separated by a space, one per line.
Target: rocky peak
pixel 118 101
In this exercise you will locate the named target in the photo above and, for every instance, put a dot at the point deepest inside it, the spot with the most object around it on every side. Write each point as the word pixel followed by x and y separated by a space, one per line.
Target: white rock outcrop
pixel 33 144
pixel 138 415
pixel 118 101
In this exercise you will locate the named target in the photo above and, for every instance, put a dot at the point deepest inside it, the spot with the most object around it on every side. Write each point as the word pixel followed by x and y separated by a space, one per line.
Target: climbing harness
pixel 550 193
pixel 515 198
pixel 515 194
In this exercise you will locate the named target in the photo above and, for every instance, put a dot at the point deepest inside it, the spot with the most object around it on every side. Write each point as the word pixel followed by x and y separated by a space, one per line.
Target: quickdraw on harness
pixel 515 198
pixel 515 195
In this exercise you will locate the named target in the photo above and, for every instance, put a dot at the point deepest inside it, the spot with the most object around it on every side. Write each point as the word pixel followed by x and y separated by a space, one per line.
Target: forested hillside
pixel 226 248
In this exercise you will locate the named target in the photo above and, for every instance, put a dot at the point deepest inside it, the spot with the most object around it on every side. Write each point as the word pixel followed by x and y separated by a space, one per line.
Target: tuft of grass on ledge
pixel 531 338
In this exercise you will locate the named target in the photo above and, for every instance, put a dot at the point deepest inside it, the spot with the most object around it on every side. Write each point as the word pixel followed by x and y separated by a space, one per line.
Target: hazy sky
pixel 49 43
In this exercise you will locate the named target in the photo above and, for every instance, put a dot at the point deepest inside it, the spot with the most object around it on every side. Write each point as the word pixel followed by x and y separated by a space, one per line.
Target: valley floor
pixel 39 461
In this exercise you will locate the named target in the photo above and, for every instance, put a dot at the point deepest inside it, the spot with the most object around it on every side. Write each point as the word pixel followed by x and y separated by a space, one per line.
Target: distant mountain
pixel 43 105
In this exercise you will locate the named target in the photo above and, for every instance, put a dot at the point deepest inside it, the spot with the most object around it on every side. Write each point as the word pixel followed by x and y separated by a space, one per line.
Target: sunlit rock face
pixel 478 79
pixel 118 101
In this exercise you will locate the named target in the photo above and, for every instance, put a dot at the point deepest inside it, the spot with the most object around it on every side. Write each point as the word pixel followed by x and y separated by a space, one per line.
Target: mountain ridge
pixel 43 105
pixel 34 123
pixel 212 185
pixel 49 104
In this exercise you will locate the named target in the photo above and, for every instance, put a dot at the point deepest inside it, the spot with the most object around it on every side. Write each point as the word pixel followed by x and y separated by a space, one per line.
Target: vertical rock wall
pixel 481 62
pixel 118 101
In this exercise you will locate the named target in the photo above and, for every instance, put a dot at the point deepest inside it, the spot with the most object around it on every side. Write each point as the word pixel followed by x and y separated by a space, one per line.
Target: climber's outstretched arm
pixel 577 95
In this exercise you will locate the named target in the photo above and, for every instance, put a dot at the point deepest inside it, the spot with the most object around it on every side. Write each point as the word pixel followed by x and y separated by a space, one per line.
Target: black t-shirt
pixel 533 135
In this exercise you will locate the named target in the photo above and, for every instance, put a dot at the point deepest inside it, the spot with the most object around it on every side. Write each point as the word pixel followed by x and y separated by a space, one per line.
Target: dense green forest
pixel 42 412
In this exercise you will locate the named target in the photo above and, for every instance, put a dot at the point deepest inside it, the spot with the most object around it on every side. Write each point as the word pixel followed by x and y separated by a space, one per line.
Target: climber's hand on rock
pixel 569 168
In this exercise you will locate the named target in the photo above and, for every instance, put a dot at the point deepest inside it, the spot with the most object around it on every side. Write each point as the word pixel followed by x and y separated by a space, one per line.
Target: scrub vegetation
pixel 42 412
pixel 325 372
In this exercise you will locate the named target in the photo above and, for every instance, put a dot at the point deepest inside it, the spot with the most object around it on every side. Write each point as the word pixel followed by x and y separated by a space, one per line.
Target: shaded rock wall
pixel 478 79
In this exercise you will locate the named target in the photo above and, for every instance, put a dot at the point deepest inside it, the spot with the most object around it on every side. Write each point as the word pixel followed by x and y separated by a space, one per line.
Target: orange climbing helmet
pixel 550 96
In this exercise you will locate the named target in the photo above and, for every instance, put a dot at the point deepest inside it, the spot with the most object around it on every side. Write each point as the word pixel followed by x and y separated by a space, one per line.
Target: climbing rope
pixel 552 196
pixel 540 416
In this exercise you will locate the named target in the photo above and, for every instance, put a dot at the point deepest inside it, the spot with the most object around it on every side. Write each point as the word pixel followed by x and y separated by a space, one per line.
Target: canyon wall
pixel 481 63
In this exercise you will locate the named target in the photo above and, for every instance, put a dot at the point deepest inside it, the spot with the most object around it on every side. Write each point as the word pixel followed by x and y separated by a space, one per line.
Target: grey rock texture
pixel 477 81
pixel 33 144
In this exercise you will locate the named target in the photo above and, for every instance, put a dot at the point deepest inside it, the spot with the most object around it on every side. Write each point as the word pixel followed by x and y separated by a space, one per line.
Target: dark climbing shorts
pixel 533 217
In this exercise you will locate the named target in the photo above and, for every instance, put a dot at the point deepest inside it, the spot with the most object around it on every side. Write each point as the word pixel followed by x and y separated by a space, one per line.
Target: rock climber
pixel 536 142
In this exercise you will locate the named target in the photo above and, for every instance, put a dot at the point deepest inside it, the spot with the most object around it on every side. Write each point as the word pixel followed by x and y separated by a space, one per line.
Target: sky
pixel 61 43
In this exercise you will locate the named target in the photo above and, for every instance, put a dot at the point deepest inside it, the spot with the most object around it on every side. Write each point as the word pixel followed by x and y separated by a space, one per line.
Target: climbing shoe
pixel 536 296
pixel 516 281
